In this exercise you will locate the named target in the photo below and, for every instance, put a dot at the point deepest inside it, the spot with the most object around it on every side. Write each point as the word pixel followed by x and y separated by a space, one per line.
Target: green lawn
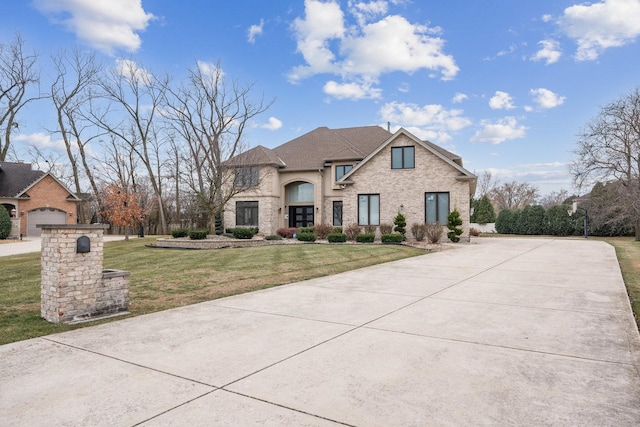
pixel 628 253
pixel 162 279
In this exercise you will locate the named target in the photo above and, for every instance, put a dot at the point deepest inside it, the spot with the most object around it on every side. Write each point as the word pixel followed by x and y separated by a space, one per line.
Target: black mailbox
pixel 83 245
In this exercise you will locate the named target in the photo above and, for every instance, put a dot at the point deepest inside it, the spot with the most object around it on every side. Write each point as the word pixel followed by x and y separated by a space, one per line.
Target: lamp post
pixel 573 210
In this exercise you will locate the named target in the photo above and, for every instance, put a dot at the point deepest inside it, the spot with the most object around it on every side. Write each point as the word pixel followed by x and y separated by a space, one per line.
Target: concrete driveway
pixel 497 332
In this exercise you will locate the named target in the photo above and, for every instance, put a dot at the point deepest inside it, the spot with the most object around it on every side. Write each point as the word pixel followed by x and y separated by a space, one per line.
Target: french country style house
pixel 363 175
pixel 34 197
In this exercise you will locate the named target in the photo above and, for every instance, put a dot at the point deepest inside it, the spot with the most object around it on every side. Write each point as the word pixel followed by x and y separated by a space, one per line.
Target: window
pixel 341 170
pixel 300 193
pixel 402 157
pixel 369 209
pixel 436 207
pixel 247 176
pixel 337 214
pixel 247 214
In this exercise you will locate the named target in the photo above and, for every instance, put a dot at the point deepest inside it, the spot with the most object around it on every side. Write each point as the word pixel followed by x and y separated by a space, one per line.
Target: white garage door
pixel 43 216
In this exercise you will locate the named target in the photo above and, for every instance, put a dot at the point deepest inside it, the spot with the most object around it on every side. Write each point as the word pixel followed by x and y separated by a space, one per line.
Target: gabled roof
pixel 311 150
pixel 258 155
pixel 18 178
pixel 453 160
pixel 15 178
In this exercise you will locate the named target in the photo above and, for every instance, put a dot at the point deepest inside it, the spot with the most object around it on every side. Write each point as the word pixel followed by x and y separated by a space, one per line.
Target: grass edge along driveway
pixel 162 279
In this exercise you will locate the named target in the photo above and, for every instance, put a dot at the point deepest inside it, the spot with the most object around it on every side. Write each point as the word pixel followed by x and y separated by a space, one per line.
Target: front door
pixel 300 216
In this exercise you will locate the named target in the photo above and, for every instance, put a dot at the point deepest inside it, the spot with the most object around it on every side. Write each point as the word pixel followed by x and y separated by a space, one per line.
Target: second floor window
pixel 402 157
pixel 341 170
pixel 247 176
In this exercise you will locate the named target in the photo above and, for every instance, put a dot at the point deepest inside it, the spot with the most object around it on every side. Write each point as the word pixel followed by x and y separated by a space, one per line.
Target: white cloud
pixel 322 23
pixel 503 130
pixel 599 26
pixel 549 52
pixel 254 31
pixel 107 25
pixel 351 90
pixel 369 48
pixel 41 141
pixel 546 18
pixel 459 97
pixel 501 101
pixel 432 122
pixel 365 12
pixel 274 124
pixel 131 70
pixel 546 98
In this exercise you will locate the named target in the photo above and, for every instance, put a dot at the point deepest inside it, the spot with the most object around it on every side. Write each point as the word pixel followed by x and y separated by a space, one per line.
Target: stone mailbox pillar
pixel 74 285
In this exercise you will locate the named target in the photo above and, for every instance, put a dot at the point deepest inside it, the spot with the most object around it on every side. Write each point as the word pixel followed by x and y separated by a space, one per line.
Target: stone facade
pixel 74 285
pixel 400 190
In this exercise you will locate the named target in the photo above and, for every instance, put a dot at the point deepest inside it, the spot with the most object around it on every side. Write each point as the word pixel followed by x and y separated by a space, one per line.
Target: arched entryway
pixel 300 199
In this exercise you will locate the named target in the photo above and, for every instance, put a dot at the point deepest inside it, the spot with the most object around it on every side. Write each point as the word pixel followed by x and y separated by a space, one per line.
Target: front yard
pixel 163 278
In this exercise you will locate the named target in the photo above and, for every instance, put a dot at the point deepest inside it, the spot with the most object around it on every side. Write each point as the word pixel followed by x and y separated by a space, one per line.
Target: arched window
pixel 300 192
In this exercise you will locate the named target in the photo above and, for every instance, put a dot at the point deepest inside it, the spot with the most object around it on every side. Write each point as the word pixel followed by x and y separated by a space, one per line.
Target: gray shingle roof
pixel 16 177
pixel 311 150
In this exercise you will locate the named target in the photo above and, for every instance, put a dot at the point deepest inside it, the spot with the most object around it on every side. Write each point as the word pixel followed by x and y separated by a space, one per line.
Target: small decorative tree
pixel 5 223
pixel 121 208
pixel 400 223
pixel 453 224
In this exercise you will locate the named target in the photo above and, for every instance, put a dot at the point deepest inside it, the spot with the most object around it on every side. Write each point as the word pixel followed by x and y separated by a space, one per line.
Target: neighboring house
pixel 34 197
pixel 363 175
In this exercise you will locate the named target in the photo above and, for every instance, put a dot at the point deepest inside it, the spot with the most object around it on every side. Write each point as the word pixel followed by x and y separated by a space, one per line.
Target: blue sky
pixel 506 84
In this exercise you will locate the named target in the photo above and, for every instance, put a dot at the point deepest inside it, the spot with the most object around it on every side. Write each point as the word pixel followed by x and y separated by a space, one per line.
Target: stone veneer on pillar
pixel 74 286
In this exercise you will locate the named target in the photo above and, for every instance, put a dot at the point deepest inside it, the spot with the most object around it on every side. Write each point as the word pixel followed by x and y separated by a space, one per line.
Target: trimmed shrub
pixel 306 236
pixel 179 232
pixel 483 212
pixel 243 232
pixel 393 238
pixel 419 231
pixel 386 228
pixel 198 234
pixel 434 232
pixel 370 229
pixel 273 237
pixel 352 231
pixel 557 221
pixel 337 230
pixel 400 223
pixel 287 233
pixel 505 222
pixel 323 230
pixel 366 238
pixel 306 229
pixel 337 237
pixel 453 224
pixel 5 223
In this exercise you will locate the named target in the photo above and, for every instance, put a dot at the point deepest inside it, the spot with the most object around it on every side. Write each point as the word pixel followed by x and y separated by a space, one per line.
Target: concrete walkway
pixel 497 332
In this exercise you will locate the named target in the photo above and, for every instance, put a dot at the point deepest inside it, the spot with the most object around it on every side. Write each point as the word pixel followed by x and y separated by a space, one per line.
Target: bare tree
pixel 210 113
pixel 513 195
pixel 554 198
pixel 17 73
pixel 608 150
pixel 76 73
pixel 133 116
pixel 486 183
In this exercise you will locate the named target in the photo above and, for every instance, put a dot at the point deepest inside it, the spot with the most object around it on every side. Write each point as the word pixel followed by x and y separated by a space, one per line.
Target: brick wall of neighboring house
pixel 46 194
pixel 404 189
